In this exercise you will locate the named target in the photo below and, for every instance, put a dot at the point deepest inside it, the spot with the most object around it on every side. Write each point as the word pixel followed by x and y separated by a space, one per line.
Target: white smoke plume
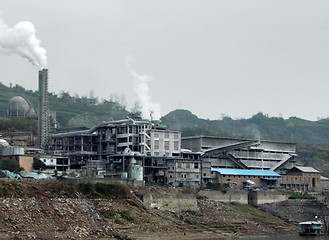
pixel 149 109
pixel 141 87
pixel 21 40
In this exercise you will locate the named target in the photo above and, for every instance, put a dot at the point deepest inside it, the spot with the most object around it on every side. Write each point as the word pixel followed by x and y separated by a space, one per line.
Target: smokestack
pixel 43 114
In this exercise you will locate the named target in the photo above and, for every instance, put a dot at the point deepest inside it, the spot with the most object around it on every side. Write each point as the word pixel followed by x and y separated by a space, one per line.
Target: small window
pixel 204 174
pixel 196 165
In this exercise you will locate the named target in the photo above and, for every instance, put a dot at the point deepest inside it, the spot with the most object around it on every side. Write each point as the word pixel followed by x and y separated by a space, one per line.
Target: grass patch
pixel 256 215
pixel 107 214
pixel 125 215
pixel 297 195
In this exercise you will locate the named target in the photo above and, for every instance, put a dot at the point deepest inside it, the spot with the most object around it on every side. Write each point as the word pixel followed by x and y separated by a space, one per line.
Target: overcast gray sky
pixel 208 56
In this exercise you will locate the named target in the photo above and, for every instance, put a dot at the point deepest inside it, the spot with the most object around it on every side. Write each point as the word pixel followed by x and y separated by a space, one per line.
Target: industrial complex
pixel 141 151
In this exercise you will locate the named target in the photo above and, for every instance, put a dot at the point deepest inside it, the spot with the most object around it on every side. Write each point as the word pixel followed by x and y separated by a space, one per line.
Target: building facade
pixel 111 138
pixel 244 153
pixel 243 178
pixel 302 179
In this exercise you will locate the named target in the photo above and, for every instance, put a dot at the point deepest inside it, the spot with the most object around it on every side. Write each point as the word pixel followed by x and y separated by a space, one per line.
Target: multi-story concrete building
pixel 188 170
pixel 244 153
pixel 115 137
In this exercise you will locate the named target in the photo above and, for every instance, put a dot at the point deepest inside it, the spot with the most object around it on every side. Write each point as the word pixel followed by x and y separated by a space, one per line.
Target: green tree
pixel 38 164
pixel 10 165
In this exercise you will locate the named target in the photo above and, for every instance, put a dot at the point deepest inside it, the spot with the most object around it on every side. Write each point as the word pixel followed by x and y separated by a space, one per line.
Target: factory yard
pixel 54 210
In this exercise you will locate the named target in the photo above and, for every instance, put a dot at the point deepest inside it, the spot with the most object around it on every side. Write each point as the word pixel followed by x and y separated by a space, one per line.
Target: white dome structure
pixel 19 106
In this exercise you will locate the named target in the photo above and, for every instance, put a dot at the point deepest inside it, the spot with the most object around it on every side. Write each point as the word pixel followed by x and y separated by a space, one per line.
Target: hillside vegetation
pixel 69 108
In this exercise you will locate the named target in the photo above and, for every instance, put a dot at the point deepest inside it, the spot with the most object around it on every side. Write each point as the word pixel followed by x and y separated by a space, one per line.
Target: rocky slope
pixel 56 210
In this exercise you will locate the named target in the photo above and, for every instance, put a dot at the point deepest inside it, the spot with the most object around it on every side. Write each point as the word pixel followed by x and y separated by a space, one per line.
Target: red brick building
pixel 240 178
pixel 302 179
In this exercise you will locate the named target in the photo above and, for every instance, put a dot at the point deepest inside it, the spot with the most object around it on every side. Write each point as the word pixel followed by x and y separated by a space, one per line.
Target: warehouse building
pixel 243 153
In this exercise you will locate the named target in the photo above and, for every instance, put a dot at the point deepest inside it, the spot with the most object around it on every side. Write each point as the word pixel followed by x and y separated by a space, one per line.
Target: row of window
pixel 294 179
pixel 183 176
pixel 166 145
pixel 166 135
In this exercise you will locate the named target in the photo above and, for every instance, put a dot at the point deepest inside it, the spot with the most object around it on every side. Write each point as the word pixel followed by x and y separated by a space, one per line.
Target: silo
pixel 136 172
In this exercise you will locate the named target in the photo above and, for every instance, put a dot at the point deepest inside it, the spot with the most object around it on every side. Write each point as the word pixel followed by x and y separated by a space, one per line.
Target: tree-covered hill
pixel 68 108
pixel 258 126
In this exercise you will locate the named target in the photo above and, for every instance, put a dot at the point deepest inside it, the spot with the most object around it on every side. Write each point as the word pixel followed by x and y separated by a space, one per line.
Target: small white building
pixel 58 163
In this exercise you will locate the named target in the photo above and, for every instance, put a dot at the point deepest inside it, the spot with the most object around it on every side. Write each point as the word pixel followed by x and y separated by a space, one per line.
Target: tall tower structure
pixel 43 113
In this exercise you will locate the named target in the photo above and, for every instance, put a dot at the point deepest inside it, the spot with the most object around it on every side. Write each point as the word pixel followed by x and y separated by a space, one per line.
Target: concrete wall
pixel 26 162
pixel 261 197
pixel 180 202
pixel 245 197
pixel 230 196
pixel 104 180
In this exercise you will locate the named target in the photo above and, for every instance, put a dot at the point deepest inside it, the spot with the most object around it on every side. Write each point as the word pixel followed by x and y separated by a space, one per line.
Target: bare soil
pixel 55 210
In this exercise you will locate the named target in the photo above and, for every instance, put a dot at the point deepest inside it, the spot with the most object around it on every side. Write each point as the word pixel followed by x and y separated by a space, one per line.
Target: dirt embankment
pixel 55 210
pixel 298 210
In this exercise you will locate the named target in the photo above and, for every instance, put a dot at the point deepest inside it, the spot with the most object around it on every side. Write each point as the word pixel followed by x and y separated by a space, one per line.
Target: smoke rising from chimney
pixel 149 109
pixel 21 40
pixel 141 87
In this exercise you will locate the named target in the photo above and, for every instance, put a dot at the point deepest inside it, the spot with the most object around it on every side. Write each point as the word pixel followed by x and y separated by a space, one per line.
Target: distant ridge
pixel 258 126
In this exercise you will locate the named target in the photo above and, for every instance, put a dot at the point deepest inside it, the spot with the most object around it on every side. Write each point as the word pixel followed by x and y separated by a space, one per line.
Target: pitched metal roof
pixel 245 172
pixel 307 169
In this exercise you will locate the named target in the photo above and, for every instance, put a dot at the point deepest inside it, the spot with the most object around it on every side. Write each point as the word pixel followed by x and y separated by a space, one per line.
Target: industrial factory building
pixel 244 154
pixel 108 139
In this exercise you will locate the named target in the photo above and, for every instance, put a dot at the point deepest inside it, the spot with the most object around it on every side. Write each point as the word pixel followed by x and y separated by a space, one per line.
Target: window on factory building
pixel 166 145
pixel 156 144
pixel 156 135
pixel 156 154
pixel 166 135
pixel 176 144
pixel 176 136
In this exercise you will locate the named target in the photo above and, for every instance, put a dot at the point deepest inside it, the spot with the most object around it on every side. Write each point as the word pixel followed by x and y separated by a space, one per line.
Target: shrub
pixel 217 186
pixel 297 195
pixel 10 165
pixel 38 164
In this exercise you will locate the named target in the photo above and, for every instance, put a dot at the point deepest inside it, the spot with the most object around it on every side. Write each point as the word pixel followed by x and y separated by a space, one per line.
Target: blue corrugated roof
pixel 245 172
